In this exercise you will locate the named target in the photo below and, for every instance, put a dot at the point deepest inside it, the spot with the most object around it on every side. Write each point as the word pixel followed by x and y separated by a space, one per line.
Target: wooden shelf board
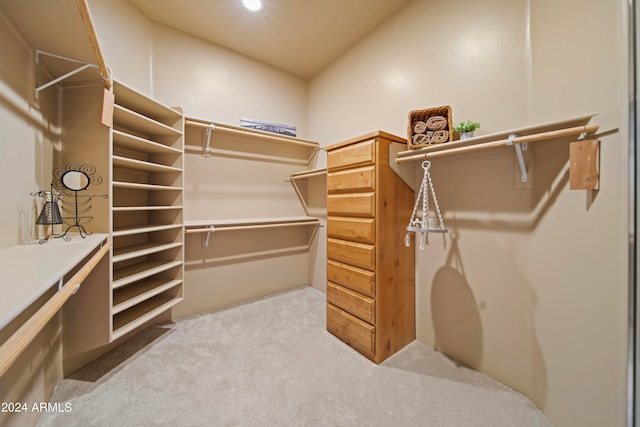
pixel 309 173
pixel 125 231
pixel 128 96
pixel 123 139
pixel 123 277
pixel 142 165
pixel 481 139
pixel 137 186
pixel 128 252
pixel 133 295
pixel 128 320
pixel 249 221
pixel 144 208
pixel 123 117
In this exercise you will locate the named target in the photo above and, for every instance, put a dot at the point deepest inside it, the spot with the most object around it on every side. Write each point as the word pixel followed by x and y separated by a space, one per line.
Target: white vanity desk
pixel 30 270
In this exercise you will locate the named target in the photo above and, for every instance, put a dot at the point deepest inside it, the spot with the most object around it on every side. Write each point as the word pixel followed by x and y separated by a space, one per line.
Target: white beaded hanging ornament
pixel 425 225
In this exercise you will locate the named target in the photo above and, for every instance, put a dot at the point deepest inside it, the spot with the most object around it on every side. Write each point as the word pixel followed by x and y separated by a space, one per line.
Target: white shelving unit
pixel 147 186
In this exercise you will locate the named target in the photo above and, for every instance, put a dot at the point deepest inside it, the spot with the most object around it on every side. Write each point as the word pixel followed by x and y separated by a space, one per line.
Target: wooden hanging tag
pixel 584 157
pixel 108 100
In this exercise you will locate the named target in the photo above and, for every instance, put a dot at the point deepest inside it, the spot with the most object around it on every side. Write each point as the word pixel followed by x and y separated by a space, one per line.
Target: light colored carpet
pixel 272 363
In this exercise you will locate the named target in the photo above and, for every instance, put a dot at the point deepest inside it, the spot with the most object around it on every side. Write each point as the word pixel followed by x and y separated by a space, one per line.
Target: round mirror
pixel 75 180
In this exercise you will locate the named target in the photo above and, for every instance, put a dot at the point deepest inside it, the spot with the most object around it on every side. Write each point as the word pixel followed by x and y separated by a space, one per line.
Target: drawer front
pixel 358 254
pixel 360 204
pixel 354 278
pixel 353 331
pixel 360 154
pixel 360 179
pixel 351 302
pixel 356 229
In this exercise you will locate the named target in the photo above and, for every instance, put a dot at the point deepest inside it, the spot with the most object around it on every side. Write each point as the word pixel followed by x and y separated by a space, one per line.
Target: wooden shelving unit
pixel 246 234
pixel 584 168
pixel 147 185
pixel 300 182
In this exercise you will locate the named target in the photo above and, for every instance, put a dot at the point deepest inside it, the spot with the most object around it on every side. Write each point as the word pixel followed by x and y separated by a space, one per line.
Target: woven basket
pixel 423 116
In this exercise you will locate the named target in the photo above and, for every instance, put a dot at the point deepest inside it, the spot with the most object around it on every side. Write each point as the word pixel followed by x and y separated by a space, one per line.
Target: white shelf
pixel 312 173
pixel 132 99
pixel 144 208
pixel 139 314
pixel 131 120
pixel 132 295
pixel 137 186
pixel 126 231
pixel 126 162
pixel 249 221
pixel 133 142
pixel 478 141
pixel 124 276
pixel 128 252
pixel 30 270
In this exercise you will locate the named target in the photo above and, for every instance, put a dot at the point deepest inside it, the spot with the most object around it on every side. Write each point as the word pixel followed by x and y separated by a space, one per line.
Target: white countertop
pixel 29 270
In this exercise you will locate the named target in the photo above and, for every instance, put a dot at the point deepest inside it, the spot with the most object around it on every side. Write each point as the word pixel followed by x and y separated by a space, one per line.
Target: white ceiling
pixel 298 36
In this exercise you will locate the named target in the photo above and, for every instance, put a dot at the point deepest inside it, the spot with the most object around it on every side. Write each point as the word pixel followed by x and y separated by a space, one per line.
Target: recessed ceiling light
pixel 252 5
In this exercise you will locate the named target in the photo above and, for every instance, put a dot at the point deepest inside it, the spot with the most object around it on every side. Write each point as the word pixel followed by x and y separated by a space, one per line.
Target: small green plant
pixel 467 126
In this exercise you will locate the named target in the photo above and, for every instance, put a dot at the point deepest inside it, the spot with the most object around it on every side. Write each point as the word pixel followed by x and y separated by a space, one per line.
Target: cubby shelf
pixel 133 142
pixel 147 185
pixel 143 166
pixel 145 208
pixel 139 186
pixel 136 316
pixel 130 296
pixel 148 248
pixel 133 273
pixel 125 231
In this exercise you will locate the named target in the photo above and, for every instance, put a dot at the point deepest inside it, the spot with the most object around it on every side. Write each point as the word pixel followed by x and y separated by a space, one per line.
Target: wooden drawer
pixel 356 229
pixel 358 254
pixel 354 278
pixel 353 331
pixel 360 154
pixel 359 204
pixel 352 302
pixel 360 179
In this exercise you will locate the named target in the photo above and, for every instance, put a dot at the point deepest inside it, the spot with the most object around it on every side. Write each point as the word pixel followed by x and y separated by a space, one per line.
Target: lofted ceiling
pixel 298 36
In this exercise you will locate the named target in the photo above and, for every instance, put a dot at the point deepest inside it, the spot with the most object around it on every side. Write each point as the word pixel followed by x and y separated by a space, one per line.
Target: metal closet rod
pixel 542 136
pixel 238 132
pixel 18 342
pixel 250 227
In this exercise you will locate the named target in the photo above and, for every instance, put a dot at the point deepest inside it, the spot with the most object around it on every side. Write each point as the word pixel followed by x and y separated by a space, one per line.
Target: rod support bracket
pixel 206 149
pixel 207 236
pixel 519 148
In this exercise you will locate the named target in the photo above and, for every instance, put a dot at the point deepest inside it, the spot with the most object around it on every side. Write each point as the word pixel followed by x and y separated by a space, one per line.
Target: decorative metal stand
pixel 427 224
pixel 50 213
pixel 76 178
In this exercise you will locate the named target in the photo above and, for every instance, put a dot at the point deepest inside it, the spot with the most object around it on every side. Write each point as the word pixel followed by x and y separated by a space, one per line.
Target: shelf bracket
pixel 83 67
pixel 206 147
pixel 205 238
pixel 519 148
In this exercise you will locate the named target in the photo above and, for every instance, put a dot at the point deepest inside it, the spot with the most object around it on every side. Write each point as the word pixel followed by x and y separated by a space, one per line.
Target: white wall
pixel 205 80
pixel 531 287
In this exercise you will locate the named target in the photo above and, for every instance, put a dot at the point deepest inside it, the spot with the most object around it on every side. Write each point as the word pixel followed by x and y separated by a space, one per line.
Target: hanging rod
pixel 242 132
pixel 18 342
pixel 250 227
pixel 542 136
